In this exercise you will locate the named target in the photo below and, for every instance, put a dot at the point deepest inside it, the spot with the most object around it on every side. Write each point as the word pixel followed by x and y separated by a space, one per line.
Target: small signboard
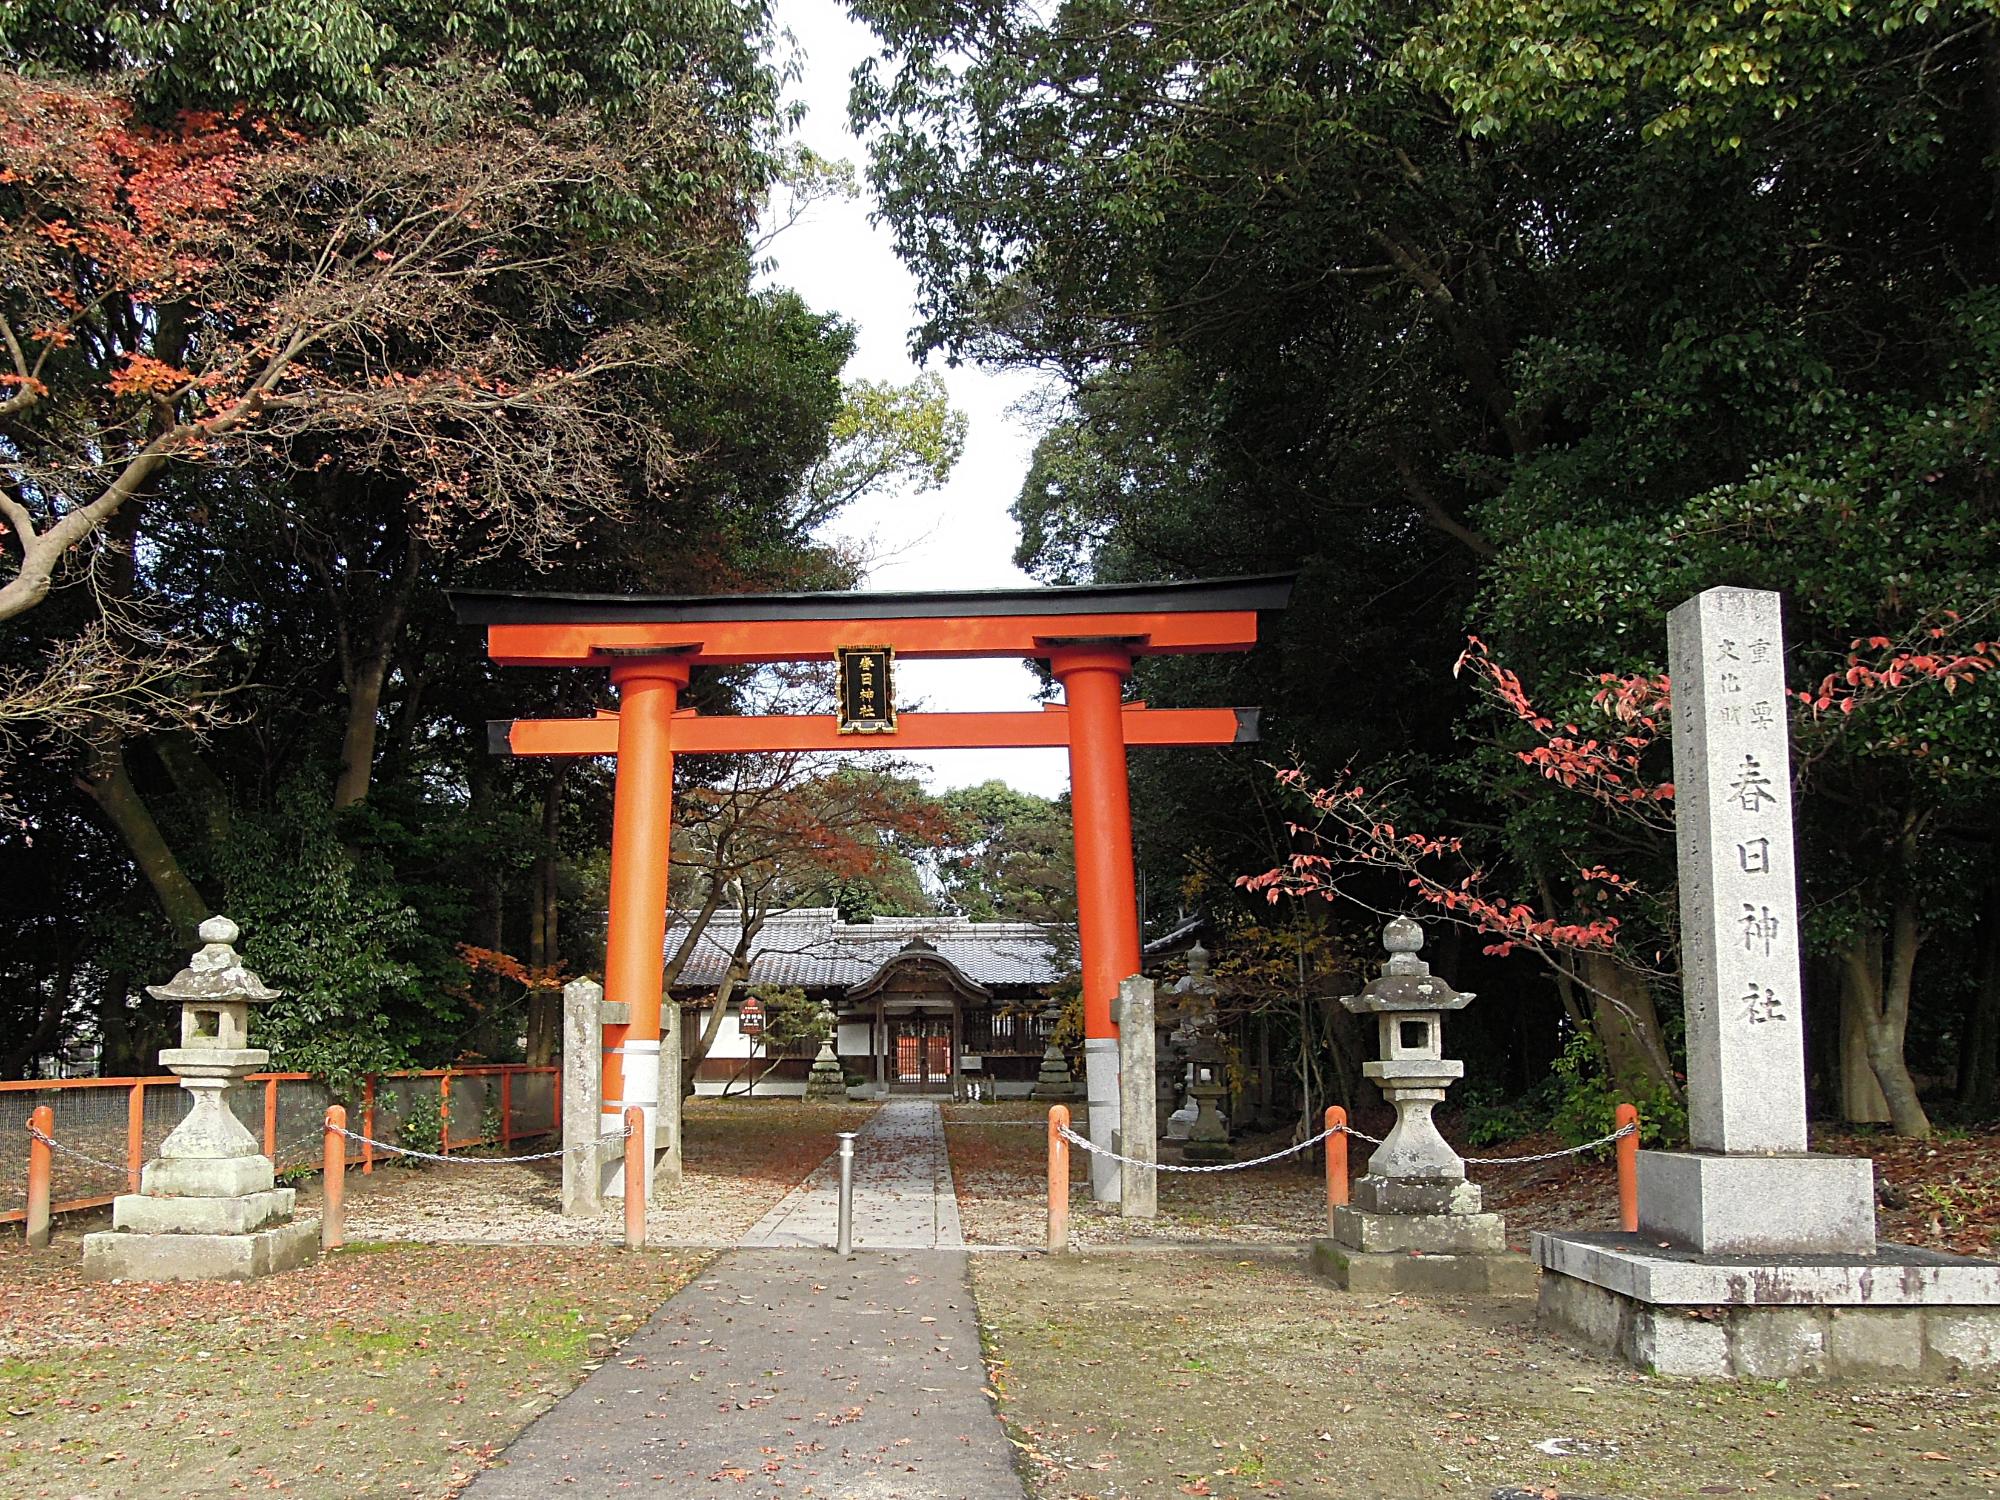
pixel 750 1020
pixel 867 693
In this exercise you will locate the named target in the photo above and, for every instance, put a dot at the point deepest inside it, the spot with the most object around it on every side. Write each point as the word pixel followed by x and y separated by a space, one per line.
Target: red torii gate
pixel 650 645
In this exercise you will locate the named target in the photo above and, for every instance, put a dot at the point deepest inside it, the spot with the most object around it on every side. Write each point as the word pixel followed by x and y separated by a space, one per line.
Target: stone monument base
pixel 127 1256
pixel 1206 1152
pixel 1783 1204
pixel 1438 1274
pixel 1899 1313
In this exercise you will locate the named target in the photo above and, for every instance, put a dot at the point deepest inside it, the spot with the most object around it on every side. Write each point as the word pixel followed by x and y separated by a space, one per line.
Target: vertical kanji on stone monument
pixel 1738 884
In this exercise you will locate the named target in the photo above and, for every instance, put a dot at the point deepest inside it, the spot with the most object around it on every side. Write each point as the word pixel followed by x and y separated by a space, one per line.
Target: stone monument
pixel 1753 1256
pixel 588 1163
pixel 208 1209
pixel 1414 1223
pixel 1138 1097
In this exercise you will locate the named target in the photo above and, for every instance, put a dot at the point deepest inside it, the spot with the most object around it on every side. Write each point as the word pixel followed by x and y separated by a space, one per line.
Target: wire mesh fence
pixel 112 1127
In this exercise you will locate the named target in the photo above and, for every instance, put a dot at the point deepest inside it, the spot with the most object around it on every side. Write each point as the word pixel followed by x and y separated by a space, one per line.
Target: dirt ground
pixel 382 1371
pixel 741 1157
pixel 1201 1373
pixel 1206 1363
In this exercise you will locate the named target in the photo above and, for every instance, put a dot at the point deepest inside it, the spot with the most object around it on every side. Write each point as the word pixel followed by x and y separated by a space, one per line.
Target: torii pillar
pixel 1107 898
pixel 642 830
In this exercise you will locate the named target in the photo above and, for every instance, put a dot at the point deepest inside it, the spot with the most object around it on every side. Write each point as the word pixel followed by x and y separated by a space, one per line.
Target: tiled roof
pixel 812 947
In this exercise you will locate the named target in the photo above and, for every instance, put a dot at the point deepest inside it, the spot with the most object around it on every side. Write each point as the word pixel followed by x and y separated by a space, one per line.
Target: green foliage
pixel 1010 858
pixel 337 937
pixel 1586 1105
pixel 327 62
pixel 791 1020
pixel 421 1124
pixel 885 439
pixel 1529 317
pixel 1488 1116
pixel 1721 71
pixel 314 570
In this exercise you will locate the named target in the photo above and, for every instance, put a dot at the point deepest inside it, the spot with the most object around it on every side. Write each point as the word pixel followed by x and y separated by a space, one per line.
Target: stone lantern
pixel 1414 1222
pixel 1207 1132
pixel 208 1208
pixel 1054 1080
pixel 827 1080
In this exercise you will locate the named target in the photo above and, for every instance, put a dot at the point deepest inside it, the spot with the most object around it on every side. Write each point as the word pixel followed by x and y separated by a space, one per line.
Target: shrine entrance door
pixel 921 1053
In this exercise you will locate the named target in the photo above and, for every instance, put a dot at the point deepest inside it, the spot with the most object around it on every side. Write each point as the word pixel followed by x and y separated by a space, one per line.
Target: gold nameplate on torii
pixel 867 696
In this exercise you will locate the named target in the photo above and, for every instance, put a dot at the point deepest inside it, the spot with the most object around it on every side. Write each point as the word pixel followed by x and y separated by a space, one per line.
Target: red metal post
pixel 642 821
pixel 444 1114
pixel 1058 1179
pixel 135 1135
pixel 506 1109
pixel 1336 1161
pixel 41 1171
pixel 635 1177
pixel 1628 1169
pixel 271 1119
pixel 368 1125
pixel 333 1172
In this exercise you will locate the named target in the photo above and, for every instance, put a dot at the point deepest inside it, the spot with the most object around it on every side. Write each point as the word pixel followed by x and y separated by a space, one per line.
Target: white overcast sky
pixel 957 537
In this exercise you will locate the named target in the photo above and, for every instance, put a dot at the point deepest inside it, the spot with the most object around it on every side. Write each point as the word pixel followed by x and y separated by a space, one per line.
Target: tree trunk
pixel 1626 1024
pixel 1861 1099
pixel 117 1053
pixel 710 1030
pixel 365 681
pixel 1879 968
pixel 195 779
pixel 1979 1058
pixel 107 781
pixel 357 741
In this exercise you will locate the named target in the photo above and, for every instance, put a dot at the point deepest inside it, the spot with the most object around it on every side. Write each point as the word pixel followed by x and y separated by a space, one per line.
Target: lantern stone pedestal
pixel 209 1209
pixel 1414 1223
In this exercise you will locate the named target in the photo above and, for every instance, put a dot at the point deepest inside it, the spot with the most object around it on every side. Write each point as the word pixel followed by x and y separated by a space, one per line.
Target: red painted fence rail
pixel 507 1108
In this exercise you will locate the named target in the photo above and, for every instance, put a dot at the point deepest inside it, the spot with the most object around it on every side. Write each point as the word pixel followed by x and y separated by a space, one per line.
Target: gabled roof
pixel 812 948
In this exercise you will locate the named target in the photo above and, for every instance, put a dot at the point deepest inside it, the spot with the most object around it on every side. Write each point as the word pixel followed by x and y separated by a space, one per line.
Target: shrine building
pixel 925 1005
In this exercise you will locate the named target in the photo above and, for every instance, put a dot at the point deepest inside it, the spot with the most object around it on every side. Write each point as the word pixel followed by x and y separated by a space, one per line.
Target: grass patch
pixel 376 1374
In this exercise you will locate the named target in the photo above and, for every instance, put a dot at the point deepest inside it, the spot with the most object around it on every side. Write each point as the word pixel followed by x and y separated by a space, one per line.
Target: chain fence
pixel 106 1130
pixel 483 1161
pixel 1238 1166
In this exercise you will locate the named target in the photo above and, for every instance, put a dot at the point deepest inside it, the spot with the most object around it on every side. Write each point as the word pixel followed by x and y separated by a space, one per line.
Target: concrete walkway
pixel 789 1371
pixel 903 1198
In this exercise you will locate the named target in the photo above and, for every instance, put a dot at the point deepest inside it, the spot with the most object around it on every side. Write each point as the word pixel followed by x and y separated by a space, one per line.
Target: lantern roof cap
pixel 215 975
pixel 1406 981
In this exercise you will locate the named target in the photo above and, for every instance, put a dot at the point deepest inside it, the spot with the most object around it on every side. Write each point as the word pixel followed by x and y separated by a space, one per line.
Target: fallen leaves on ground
pixel 381 1369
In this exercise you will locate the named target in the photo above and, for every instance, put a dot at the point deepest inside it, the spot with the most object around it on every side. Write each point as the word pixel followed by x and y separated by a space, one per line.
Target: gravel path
pixel 790 1370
